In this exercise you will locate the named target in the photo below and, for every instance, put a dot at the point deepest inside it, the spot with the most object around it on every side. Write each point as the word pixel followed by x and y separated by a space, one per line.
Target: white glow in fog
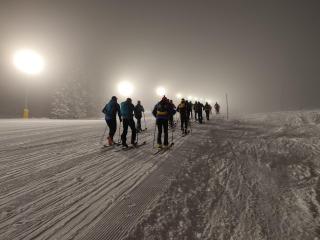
pixel 28 61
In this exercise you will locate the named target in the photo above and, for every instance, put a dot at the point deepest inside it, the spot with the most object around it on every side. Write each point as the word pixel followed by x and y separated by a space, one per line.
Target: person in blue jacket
pixel 111 110
pixel 162 112
pixel 127 113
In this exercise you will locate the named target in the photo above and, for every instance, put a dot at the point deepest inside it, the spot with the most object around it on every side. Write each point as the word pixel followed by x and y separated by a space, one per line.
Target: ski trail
pixel 241 180
pixel 57 182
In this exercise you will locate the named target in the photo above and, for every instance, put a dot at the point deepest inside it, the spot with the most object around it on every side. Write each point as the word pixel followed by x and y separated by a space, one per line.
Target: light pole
pixel 31 63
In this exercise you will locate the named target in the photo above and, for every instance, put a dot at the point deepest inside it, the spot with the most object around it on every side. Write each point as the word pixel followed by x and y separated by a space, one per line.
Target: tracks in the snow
pixel 59 184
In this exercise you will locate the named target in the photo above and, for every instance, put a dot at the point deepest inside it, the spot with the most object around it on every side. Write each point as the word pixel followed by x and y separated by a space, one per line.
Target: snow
pixel 253 177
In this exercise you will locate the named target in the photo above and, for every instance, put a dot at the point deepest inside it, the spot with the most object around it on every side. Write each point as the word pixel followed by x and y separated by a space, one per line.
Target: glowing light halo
pixel 161 91
pixel 28 61
pixel 178 95
pixel 125 88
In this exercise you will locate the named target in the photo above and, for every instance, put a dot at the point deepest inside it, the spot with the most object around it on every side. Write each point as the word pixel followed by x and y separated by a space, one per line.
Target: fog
pixel 264 54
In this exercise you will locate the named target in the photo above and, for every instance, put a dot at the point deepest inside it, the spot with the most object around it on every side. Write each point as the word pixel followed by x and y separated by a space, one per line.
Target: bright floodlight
pixel 179 95
pixel 125 88
pixel 161 91
pixel 28 61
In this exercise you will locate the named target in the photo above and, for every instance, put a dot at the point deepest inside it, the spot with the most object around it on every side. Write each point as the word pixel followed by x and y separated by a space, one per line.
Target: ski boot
pixel 110 141
pixel 165 147
pixel 125 145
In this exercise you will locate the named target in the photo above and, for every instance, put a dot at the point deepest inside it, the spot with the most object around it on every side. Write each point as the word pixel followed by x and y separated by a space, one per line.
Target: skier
pixel 138 110
pixel 207 109
pixel 171 116
pixel 162 112
pixel 110 110
pixel 194 109
pixel 198 111
pixel 217 108
pixel 190 107
pixel 183 110
pixel 127 112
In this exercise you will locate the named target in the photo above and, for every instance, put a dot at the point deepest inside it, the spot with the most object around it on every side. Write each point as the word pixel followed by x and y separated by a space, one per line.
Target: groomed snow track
pixel 57 182
pixel 248 179
pixel 256 177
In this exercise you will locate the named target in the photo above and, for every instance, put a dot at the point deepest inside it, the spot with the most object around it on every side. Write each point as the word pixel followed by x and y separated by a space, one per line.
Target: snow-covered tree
pixel 71 101
pixel 60 105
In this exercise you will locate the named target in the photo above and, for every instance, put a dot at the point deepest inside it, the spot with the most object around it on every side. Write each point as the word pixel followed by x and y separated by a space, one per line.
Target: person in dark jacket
pixel 138 110
pixel 171 116
pixel 183 110
pixel 194 108
pixel 162 112
pixel 127 113
pixel 198 111
pixel 207 109
pixel 217 108
pixel 111 110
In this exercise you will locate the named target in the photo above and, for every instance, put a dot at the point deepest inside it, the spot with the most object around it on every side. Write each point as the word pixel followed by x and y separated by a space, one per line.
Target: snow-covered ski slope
pixel 253 177
pixel 56 182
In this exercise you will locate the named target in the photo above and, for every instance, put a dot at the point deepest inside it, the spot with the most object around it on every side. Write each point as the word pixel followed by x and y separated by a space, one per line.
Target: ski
pixel 106 148
pixel 132 147
pixel 110 146
pixel 158 151
pixel 167 148
pixel 162 150
pixel 185 134
pixel 142 131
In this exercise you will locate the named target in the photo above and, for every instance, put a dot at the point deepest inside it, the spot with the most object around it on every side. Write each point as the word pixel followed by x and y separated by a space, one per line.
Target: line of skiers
pixel 163 111
pixel 125 113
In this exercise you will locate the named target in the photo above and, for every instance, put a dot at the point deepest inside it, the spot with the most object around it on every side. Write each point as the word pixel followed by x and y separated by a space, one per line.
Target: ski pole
pixel 172 136
pixel 104 133
pixel 119 139
pixel 137 136
pixel 154 134
pixel 176 121
pixel 145 123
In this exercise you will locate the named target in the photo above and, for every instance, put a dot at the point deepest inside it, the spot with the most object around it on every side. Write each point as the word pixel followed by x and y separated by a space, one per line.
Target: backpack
pixel 110 109
pixel 162 109
pixel 125 109
pixel 138 111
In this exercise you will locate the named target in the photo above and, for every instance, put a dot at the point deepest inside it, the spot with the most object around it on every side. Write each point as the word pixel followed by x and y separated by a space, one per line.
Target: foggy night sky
pixel 264 54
